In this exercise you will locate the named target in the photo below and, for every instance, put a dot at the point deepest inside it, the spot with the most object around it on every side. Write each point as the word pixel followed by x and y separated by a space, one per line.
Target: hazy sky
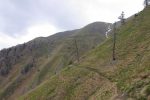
pixel 23 20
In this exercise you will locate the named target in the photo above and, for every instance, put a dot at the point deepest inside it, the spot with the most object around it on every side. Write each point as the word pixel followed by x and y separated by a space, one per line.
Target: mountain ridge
pixel 98 77
pixel 43 57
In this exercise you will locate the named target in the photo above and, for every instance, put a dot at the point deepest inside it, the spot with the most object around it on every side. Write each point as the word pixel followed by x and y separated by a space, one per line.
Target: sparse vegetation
pixel 58 76
pixel 50 54
pixel 118 79
pixel 27 68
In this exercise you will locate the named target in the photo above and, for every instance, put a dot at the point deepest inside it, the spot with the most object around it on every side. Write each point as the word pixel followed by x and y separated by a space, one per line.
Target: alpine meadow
pixel 100 61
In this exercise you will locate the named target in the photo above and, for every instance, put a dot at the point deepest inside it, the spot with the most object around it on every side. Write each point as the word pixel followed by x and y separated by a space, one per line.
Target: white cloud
pixel 6 40
pixel 37 30
pixel 42 29
pixel 105 10
pixel 24 20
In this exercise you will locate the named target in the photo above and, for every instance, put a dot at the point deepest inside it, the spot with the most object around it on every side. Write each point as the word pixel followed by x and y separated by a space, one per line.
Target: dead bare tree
pixel 76 50
pixel 146 3
pixel 114 42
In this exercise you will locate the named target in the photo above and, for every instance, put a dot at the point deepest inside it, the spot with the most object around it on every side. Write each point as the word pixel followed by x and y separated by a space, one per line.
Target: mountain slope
pixel 97 77
pixel 25 66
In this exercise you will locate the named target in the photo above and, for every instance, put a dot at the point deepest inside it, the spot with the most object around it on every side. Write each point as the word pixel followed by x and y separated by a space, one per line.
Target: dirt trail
pixel 118 95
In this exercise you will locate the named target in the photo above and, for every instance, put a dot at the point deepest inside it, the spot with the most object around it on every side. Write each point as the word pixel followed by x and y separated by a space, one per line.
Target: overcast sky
pixel 23 20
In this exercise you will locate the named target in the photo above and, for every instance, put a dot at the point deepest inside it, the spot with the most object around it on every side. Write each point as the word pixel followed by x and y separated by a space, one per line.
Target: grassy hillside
pixel 24 67
pixel 97 77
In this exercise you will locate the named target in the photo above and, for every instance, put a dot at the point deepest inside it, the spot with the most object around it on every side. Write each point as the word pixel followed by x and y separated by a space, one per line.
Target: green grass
pixel 97 77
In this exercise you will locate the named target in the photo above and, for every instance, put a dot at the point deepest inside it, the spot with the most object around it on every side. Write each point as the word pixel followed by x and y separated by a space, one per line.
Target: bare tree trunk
pixel 77 51
pixel 146 3
pixel 114 42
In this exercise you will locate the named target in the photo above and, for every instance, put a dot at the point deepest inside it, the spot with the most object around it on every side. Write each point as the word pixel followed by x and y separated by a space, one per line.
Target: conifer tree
pixel 122 19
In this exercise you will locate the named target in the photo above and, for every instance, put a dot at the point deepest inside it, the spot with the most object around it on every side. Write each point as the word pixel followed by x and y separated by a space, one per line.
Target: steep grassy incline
pixel 24 67
pixel 97 77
